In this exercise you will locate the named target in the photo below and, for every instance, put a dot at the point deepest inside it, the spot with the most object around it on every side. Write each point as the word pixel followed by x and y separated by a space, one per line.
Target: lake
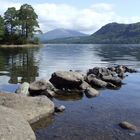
pixel 84 118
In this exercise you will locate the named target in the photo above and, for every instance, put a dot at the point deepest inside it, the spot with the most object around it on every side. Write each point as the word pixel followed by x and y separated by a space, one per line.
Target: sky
pixel 82 15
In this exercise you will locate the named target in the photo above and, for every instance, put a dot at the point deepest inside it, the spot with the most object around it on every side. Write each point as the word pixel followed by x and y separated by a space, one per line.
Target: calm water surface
pixel 84 119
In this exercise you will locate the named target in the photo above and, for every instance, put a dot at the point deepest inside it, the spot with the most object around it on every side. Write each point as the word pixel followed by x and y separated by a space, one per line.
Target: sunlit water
pixel 84 119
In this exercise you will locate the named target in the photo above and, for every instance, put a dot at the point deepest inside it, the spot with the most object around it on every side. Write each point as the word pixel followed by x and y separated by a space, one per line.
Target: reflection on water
pixel 27 64
pixel 84 119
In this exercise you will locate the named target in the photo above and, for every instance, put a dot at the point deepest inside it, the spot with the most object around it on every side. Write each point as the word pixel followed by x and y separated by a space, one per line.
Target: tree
pixel 10 18
pixel 1 28
pixel 28 19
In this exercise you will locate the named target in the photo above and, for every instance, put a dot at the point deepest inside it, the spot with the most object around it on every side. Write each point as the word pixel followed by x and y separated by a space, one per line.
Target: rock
pixel 127 125
pixel 23 89
pixel 60 109
pixel 42 87
pixel 120 69
pixel 130 70
pixel 90 77
pixel 93 81
pixel 84 85
pixel 66 79
pixel 91 92
pixel 31 108
pixel 13 126
pixel 112 86
pixel 114 80
pixel 99 72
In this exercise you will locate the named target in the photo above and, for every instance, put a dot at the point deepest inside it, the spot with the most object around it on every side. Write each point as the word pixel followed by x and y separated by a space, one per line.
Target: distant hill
pixel 59 33
pixel 112 33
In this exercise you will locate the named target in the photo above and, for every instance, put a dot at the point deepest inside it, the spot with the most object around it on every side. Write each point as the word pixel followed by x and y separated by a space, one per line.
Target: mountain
pixel 59 33
pixel 112 33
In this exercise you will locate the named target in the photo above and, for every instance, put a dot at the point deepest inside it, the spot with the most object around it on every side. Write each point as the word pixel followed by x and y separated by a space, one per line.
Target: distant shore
pixel 21 46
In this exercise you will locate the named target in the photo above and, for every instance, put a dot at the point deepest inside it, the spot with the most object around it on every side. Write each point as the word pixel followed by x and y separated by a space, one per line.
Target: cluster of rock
pixel 68 82
pixel 18 110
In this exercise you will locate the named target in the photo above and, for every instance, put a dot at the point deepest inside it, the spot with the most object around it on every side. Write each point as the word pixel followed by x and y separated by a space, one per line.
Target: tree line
pixel 19 26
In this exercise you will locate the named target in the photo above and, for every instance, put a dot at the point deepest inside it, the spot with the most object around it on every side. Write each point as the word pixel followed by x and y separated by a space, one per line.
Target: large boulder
pixel 66 79
pixel 31 108
pixel 42 87
pixel 23 89
pixel 13 126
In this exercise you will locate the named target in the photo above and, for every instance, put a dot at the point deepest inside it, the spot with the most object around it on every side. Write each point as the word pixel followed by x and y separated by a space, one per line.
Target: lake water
pixel 84 119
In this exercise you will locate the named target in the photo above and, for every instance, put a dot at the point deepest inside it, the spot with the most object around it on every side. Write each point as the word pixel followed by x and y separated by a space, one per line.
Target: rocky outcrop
pixel 42 87
pixel 23 89
pixel 13 126
pixel 66 79
pixel 31 108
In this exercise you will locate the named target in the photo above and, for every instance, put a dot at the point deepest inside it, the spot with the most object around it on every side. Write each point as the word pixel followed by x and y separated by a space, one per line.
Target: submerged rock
pixel 31 108
pixel 91 92
pixel 66 79
pixel 60 109
pixel 23 89
pixel 13 126
pixel 127 125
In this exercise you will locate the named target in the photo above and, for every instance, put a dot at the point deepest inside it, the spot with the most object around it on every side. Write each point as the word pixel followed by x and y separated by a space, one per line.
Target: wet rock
pixel 98 83
pixel 127 125
pixel 114 80
pixel 91 92
pixel 31 108
pixel 42 87
pixel 23 89
pixel 66 79
pixel 99 71
pixel 60 109
pixel 90 77
pixel 84 85
pixel 130 70
pixel 112 86
pixel 13 126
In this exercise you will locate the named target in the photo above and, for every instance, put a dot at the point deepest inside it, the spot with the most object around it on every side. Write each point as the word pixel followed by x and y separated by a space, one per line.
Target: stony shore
pixel 33 101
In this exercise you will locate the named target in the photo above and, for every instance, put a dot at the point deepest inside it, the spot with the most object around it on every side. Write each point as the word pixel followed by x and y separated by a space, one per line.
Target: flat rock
pixel 66 79
pixel 31 108
pixel 13 126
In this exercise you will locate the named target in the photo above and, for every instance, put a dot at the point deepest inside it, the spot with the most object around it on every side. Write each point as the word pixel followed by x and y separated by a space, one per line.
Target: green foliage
pixel 28 19
pixel 1 28
pixel 18 26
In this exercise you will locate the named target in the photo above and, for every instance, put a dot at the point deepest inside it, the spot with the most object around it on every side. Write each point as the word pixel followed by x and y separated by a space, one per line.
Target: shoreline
pixel 20 46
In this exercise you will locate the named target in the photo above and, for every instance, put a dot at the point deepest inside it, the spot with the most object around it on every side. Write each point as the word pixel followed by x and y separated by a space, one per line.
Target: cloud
pixel 87 20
